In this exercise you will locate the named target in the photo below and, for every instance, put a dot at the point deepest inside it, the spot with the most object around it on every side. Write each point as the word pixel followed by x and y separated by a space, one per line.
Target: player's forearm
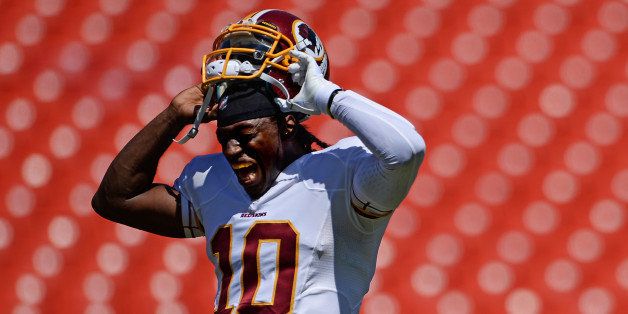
pixel 133 170
pixel 391 138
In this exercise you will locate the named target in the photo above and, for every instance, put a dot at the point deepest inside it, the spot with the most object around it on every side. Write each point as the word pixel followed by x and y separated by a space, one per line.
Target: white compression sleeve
pixel 382 182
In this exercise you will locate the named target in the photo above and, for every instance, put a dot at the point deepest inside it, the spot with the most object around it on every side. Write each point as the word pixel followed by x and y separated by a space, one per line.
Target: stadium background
pixel 520 205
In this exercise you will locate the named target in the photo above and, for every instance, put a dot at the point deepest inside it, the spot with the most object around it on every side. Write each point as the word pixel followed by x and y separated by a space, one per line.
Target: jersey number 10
pixel 287 238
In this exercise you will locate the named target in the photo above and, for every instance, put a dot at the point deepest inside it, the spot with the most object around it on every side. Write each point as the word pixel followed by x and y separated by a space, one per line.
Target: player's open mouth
pixel 245 171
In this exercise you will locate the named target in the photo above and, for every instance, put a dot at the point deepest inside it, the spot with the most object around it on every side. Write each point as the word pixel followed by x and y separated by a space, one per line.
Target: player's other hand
pixel 187 103
pixel 315 89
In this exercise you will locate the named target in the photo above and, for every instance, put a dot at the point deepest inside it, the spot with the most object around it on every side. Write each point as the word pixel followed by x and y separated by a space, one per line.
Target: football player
pixel 290 227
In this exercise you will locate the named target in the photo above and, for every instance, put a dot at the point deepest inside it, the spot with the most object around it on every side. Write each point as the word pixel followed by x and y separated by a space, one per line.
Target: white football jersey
pixel 299 248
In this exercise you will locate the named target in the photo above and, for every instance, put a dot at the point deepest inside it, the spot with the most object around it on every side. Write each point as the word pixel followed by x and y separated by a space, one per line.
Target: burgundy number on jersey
pixel 221 247
pixel 287 239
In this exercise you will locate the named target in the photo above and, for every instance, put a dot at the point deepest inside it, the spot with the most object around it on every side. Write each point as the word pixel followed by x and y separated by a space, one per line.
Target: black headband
pixel 244 101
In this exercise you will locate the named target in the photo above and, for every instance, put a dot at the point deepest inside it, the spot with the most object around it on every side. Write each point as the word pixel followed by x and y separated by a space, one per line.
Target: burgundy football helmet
pixel 258 46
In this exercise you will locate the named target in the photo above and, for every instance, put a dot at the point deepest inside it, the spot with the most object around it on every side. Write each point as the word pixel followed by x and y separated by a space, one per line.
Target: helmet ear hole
pixel 258 55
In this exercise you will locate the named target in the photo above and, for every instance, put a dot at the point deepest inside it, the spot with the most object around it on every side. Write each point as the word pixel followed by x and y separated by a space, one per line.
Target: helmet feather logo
pixel 307 40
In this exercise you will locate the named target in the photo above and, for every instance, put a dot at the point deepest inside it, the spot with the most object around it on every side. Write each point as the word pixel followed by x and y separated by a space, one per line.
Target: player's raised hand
pixel 187 103
pixel 315 89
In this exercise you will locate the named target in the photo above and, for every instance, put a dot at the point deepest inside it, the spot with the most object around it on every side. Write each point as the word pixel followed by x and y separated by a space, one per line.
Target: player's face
pixel 253 148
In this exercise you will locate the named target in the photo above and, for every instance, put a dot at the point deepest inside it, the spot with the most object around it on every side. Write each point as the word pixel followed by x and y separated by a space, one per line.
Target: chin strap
pixel 275 82
pixel 199 118
pixel 285 105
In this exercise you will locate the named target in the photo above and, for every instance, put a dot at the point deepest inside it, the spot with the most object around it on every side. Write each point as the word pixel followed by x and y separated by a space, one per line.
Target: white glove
pixel 315 89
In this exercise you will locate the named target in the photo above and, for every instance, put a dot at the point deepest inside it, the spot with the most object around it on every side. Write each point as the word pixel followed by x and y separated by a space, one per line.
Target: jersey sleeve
pixel 191 219
pixel 385 170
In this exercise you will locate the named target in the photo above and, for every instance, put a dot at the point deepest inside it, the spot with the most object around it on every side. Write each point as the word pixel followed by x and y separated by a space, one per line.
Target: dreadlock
pixel 301 134
pixel 307 139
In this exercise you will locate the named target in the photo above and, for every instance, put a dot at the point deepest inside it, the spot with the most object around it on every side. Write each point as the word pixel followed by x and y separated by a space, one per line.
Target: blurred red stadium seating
pixel 520 205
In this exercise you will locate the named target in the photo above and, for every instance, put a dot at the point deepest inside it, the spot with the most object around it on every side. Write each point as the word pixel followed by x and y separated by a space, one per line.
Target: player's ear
pixel 289 126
